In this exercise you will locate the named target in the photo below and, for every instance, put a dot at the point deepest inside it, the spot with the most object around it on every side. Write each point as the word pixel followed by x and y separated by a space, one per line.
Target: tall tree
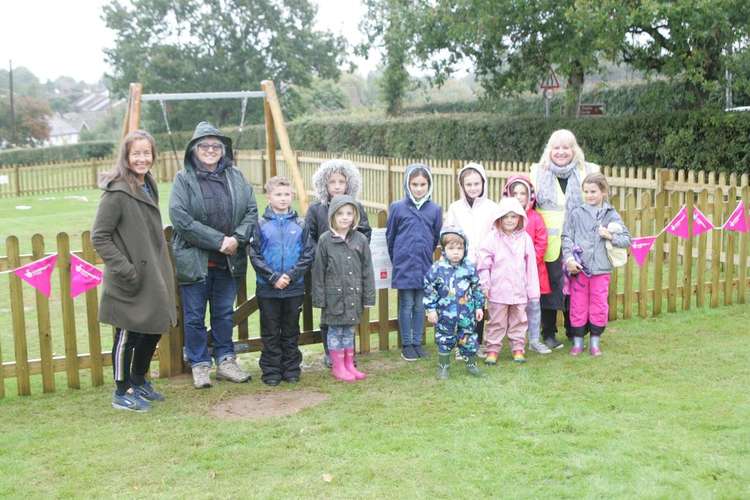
pixel 512 44
pixel 32 115
pixel 694 40
pixel 216 45
pixel 389 26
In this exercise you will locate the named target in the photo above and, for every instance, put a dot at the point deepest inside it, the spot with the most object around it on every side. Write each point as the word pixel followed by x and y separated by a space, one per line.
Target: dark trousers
pixel 279 331
pixel 131 357
pixel 554 301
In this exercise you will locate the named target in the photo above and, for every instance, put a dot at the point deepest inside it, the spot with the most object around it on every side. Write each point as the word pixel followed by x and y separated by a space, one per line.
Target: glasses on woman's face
pixel 216 146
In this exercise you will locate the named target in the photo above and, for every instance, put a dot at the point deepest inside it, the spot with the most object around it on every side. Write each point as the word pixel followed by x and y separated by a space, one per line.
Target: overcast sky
pixel 55 38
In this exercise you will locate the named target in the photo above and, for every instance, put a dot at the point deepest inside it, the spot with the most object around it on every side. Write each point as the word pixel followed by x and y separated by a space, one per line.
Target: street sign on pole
pixel 549 84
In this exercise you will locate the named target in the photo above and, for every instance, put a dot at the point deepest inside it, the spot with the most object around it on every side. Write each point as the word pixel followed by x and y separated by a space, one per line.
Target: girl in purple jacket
pixel 413 232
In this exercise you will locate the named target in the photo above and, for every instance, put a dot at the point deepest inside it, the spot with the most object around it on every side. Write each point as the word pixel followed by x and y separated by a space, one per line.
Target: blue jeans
pixel 340 337
pixel 411 315
pixel 219 291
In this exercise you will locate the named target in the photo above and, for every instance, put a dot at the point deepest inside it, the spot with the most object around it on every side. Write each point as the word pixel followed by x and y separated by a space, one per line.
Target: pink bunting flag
pixel 679 224
pixel 37 273
pixel 738 220
pixel 640 247
pixel 701 224
pixel 83 276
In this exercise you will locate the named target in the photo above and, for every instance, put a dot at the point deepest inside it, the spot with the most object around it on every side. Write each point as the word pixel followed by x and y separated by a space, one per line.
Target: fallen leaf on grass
pixel 327 478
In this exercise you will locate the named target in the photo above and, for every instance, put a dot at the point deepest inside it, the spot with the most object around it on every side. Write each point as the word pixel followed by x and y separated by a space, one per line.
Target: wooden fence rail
pixel 382 176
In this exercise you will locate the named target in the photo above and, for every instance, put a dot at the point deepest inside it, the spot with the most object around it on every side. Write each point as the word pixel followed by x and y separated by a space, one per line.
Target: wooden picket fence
pixel 382 177
pixel 710 270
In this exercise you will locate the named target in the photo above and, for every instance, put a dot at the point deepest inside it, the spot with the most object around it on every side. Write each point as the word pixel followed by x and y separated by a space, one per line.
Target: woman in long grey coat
pixel 139 293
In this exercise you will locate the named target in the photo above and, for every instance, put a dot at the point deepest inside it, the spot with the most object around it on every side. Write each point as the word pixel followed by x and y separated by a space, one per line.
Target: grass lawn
pixel 663 414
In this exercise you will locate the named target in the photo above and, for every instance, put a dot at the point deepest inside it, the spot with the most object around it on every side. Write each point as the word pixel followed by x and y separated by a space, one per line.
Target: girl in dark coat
pixel 139 293
pixel 413 232
pixel 343 283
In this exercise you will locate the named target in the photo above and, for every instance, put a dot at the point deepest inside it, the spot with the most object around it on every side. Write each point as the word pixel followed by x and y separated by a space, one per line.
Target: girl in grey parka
pixel 586 230
pixel 333 178
pixel 343 283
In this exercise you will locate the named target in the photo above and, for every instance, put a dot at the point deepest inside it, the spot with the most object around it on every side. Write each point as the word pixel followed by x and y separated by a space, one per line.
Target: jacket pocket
pixel 335 300
pixel 187 264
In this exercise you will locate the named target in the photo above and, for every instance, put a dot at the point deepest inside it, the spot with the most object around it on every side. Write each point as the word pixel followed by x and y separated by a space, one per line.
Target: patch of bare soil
pixel 267 405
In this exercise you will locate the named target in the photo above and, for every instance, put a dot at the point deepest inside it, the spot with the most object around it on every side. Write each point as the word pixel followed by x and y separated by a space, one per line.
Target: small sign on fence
pixel 381 261
pixel 4 179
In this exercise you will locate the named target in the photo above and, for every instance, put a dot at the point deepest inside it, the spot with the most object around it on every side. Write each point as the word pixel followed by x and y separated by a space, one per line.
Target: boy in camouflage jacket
pixel 454 302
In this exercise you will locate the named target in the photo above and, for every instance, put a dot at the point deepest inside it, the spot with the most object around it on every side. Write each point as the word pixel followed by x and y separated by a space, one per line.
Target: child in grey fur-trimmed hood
pixel 333 177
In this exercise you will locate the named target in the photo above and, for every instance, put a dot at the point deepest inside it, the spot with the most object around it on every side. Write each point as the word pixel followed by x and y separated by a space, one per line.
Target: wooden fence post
pixel 716 249
pixel 730 245
pixel 647 217
pixel 44 326
pixel 661 201
pixel 700 286
pixel 17 176
pixel 687 255
pixel 745 239
pixel 19 322
pixel 383 312
pixel 68 311
pixel 92 317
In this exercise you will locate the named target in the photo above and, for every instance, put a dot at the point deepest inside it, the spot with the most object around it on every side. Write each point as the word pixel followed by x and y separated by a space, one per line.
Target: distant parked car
pixel 738 108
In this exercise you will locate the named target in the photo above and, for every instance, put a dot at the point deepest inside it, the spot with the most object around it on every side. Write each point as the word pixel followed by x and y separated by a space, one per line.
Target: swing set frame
pixel 274 123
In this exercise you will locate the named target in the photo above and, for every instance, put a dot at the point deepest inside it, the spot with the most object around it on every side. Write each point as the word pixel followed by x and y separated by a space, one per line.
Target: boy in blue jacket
pixel 281 252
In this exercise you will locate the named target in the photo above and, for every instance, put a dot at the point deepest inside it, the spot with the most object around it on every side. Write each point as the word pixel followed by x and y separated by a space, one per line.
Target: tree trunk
pixel 573 89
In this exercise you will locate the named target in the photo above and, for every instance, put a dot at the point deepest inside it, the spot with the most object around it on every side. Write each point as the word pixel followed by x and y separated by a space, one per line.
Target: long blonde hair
pixel 565 136
pixel 121 168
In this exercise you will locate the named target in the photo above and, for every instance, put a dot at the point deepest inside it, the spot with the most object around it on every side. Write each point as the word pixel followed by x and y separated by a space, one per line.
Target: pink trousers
pixel 588 300
pixel 506 319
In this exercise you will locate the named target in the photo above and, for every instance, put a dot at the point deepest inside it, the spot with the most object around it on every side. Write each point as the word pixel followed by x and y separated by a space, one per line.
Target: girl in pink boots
pixel 585 233
pixel 508 276
pixel 343 283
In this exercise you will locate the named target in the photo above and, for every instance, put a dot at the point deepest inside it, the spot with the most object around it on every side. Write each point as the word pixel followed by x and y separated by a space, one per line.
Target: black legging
pixel 131 357
pixel 554 301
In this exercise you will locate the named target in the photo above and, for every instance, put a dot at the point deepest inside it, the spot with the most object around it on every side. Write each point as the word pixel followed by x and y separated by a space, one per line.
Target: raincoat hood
pixel 478 168
pixel 338 202
pixel 457 231
pixel 510 205
pixel 407 192
pixel 202 130
pixel 531 202
pixel 327 169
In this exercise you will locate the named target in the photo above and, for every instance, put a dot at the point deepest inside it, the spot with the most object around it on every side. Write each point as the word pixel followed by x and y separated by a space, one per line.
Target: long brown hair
pixel 121 168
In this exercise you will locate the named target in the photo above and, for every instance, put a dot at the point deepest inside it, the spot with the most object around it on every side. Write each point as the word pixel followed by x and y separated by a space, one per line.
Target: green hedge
pixel 71 152
pixel 652 97
pixel 691 140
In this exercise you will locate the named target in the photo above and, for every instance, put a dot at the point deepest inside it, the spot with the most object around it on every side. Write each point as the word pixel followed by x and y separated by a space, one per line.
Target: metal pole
pixel 12 106
pixel 546 103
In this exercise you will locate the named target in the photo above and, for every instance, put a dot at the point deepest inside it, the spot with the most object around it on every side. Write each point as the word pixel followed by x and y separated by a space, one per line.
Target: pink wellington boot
pixel 339 370
pixel 349 364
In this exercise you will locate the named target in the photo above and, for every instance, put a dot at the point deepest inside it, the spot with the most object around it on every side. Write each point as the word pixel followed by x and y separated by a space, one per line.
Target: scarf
pixel 546 194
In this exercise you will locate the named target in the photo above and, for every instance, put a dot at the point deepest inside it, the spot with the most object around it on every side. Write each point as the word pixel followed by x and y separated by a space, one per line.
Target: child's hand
pixel 432 317
pixel 604 233
pixel 479 314
pixel 573 266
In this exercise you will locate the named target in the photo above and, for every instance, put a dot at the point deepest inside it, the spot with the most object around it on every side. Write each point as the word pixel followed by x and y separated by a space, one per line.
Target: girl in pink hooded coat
pixel 520 188
pixel 508 276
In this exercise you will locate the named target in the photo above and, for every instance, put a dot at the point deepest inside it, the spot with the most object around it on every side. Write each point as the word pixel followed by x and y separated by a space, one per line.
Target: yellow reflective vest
pixel 554 219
